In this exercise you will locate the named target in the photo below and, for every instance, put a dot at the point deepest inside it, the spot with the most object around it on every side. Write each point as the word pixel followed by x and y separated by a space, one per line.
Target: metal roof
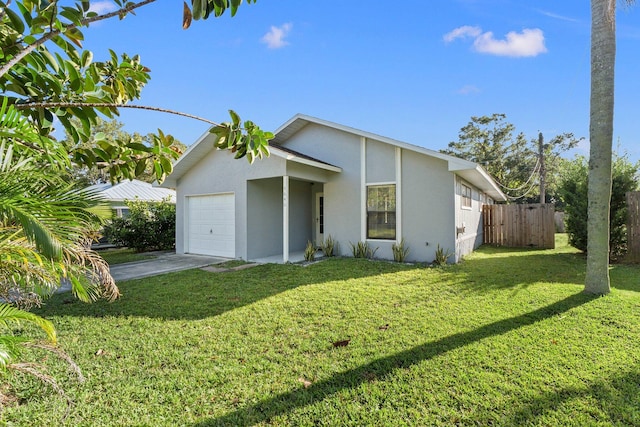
pixel 132 190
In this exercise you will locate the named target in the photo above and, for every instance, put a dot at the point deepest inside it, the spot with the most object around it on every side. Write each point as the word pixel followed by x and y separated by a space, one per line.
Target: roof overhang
pixel 294 157
pixel 470 171
pixel 204 145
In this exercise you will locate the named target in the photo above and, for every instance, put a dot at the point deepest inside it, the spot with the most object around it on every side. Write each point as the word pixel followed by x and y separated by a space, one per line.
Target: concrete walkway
pixel 165 262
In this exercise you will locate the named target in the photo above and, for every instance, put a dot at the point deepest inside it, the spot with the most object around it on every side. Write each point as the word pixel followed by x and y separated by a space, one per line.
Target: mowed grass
pixel 123 255
pixel 505 338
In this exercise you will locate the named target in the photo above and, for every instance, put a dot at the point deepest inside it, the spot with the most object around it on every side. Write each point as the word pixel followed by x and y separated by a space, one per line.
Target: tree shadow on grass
pixel 518 269
pixel 264 411
pixel 197 294
pixel 616 400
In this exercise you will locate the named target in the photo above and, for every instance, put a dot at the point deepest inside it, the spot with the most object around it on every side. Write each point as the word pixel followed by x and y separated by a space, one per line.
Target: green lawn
pixel 505 338
pixel 122 255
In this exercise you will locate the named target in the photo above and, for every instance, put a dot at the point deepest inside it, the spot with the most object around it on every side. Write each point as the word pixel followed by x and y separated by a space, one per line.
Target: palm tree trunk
pixel 603 52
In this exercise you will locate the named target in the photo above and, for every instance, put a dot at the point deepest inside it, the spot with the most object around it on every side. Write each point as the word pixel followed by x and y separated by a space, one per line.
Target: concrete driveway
pixel 165 262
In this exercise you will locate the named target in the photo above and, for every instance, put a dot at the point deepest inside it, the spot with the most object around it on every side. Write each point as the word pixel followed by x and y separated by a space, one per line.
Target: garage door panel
pixel 212 225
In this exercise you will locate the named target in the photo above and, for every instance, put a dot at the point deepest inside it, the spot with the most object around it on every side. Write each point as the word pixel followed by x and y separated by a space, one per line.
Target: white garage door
pixel 212 222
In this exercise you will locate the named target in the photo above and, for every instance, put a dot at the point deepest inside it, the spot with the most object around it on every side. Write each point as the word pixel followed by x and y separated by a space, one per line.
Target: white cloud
pixel 462 32
pixel 103 6
pixel 275 38
pixel 529 42
pixel 468 90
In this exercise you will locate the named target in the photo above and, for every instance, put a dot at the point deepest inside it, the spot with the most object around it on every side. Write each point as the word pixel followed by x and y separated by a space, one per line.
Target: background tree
pixel 112 131
pixel 573 190
pixel 66 83
pixel 510 158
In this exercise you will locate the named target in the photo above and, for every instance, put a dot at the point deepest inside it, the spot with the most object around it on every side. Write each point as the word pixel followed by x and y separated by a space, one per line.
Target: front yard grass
pixel 504 338
pixel 123 255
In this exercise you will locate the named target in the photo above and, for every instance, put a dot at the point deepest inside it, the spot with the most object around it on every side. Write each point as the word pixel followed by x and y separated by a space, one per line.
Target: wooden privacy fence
pixel 633 226
pixel 530 225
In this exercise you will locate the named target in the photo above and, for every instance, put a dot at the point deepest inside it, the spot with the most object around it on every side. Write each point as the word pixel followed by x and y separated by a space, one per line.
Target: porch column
pixel 285 218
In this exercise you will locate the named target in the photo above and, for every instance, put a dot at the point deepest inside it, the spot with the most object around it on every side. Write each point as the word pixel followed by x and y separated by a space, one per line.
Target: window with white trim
pixel 465 194
pixel 381 211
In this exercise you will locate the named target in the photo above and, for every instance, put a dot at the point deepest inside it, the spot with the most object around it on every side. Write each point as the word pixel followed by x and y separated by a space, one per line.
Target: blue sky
pixel 414 70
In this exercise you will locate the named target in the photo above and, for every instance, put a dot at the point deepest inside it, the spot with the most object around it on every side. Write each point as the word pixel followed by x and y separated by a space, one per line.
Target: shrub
pixel 362 250
pixel 442 256
pixel 310 251
pixel 149 226
pixel 329 247
pixel 573 190
pixel 400 252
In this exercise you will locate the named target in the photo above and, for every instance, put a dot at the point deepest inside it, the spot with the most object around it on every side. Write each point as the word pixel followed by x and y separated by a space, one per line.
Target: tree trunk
pixel 603 52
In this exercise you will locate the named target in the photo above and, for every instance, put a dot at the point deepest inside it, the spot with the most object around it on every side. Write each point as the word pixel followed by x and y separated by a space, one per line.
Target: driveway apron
pixel 164 263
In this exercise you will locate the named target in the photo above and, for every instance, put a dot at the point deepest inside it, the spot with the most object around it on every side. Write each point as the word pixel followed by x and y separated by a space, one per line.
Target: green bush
pixel 329 247
pixel 400 251
pixel 442 256
pixel 310 251
pixel 573 190
pixel 362 250
pixel 149 226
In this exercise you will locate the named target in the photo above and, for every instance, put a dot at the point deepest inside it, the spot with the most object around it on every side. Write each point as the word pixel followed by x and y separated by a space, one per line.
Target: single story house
pixel 116 195
pixel 322 179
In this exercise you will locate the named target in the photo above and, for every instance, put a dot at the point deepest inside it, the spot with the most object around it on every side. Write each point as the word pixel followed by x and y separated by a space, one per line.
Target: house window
pixel 381 212
pixel 122 212
pixel 466 196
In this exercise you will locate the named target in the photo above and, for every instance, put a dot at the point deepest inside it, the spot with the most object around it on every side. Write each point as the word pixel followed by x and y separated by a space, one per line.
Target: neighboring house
pixel 116 195
pixel 325 179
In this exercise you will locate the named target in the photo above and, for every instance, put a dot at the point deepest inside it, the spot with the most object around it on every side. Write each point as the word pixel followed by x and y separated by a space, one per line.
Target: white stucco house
pixel 322 179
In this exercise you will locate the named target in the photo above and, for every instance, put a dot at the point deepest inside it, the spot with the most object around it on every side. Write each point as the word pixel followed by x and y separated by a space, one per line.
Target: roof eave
pixel 292 157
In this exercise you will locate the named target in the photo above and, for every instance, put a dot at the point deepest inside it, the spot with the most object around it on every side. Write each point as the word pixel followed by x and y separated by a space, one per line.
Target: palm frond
pixel 10 347
pixel 9 313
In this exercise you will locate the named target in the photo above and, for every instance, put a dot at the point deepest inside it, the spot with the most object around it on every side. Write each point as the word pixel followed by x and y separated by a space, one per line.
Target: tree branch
pixel 34 105
pixel 48 36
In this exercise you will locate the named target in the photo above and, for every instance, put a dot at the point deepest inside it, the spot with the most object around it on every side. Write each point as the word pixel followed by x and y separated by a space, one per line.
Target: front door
pixel 319 218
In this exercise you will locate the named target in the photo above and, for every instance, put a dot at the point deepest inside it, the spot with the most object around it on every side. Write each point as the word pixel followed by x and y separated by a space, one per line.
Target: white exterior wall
pixel 424 187
pixel 429 211
pixel 342 190
pixel 469 218
pixel 218 172
pixel 428 218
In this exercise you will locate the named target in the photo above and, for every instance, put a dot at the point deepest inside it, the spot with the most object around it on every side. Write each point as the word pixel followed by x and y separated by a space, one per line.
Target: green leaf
pixel 14 18
pixel 87 58
pixel 235 118
pixel 198 8
pixel 138 147
pixel 140 167
pixel 234 6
